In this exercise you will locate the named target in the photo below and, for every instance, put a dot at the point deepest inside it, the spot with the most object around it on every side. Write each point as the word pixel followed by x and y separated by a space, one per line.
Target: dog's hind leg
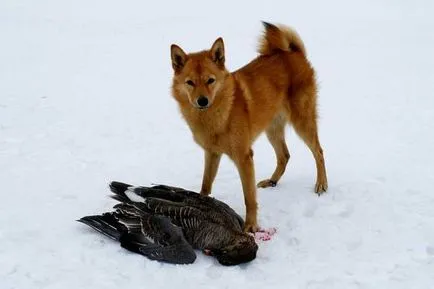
pixel 276 135
pixel 303 117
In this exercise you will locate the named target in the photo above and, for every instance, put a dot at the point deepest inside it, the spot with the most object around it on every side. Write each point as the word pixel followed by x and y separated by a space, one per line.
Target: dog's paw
pixel 321 187
pixel 251 227
pixel 266 183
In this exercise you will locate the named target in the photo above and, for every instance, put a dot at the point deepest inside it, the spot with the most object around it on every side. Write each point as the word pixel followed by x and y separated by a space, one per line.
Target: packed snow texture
pixel 85 99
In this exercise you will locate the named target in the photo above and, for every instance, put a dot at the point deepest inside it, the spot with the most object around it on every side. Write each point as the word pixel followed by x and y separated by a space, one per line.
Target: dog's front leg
pixel 245 165
pixel 212 161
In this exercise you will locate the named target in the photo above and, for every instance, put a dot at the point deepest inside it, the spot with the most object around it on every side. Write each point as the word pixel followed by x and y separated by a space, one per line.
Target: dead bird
pixel 205 223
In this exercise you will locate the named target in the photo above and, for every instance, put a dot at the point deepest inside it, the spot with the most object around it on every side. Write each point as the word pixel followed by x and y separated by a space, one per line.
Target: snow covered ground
pixel 84 99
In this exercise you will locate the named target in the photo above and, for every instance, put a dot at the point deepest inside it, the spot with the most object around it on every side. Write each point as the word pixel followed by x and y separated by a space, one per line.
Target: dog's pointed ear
pixel 179 57
pixel 218 51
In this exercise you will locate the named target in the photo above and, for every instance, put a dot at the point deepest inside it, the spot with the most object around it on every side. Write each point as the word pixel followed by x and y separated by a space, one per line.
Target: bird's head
pixel 242 250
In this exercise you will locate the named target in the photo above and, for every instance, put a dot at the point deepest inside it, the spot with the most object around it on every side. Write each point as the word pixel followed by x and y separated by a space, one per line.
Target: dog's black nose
pixel 202 101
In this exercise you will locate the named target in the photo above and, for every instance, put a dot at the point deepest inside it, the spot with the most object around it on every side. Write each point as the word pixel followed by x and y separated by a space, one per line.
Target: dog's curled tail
pixel 281 38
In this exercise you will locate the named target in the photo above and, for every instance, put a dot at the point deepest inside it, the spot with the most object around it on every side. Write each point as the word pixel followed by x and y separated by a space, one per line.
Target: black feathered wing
pixel 152 236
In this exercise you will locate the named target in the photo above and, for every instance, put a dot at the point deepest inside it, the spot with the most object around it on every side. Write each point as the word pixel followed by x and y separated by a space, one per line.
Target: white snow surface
pixel 85 99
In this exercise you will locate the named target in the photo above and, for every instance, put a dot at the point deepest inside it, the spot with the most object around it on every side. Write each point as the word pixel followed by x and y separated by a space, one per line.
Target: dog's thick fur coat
pixel 226 111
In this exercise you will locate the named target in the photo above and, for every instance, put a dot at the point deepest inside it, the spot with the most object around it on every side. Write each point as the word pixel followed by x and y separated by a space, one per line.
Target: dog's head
pixel 199 76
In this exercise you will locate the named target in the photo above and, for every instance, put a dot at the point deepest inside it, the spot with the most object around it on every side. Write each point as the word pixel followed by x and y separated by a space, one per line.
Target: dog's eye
pixel 190 82
pixel 210 80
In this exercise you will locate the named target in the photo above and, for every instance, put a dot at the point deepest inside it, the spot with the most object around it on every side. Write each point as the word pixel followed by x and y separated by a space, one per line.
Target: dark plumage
pixel 166 223
pixel 152 236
